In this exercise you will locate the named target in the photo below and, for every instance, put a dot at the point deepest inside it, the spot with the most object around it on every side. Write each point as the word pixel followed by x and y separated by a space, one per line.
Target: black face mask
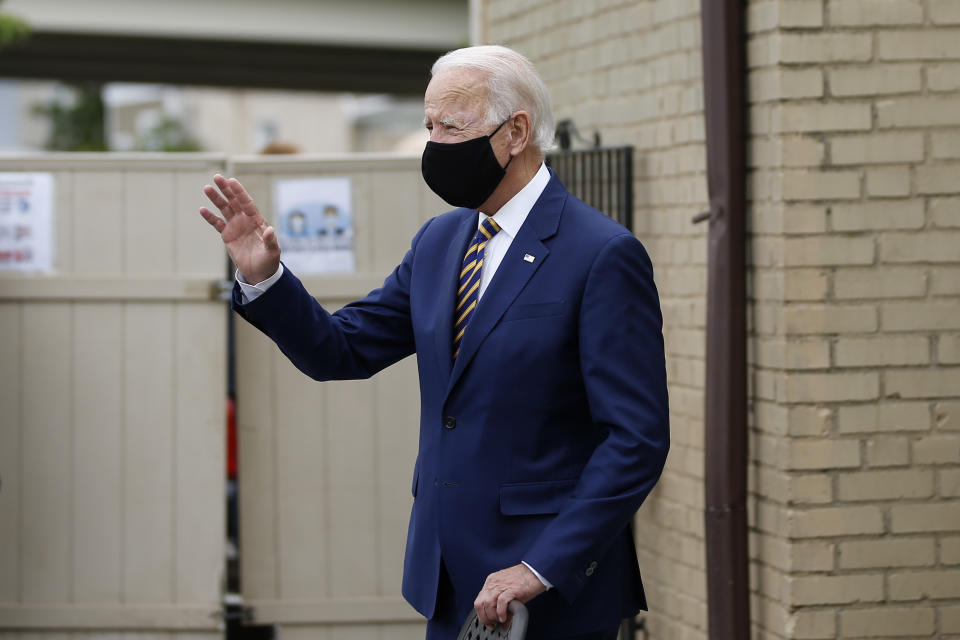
pixel 464 173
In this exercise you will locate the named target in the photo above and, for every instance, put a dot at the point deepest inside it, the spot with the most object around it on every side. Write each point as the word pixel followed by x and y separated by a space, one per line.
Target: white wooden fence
pixel 112 392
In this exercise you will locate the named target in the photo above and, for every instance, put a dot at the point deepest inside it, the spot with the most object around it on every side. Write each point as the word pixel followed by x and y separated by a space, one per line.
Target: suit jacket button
pixel 450 422
pixel 591 569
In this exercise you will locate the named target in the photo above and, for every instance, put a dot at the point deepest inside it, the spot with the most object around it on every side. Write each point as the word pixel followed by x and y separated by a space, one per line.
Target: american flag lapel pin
pixel 528 258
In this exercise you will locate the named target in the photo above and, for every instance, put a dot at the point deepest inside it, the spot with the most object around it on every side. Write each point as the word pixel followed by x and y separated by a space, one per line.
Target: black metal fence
pixel 602 177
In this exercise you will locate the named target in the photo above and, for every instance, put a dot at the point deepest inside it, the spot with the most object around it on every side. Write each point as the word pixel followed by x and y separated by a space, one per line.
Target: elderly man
pixel 537 330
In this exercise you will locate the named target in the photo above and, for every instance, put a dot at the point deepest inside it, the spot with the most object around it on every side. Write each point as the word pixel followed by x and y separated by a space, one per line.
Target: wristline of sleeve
pixel 571 550
pixel 299 326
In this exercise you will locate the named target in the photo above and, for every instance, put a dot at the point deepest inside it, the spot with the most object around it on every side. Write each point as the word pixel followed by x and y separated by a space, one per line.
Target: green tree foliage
pixel 12 29
pixel 169 135
pixel 80 126
pixel 77 127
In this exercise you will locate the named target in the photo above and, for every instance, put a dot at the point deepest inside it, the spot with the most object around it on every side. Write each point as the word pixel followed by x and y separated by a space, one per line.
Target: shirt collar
pixel 512 214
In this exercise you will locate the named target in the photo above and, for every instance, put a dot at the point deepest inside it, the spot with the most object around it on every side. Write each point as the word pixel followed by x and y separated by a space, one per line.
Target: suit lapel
pixel 447 289
pixel 513 273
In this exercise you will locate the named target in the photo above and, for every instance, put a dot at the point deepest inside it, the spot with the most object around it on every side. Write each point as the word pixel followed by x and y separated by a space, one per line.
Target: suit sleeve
pixel 622 364
pixel 355 342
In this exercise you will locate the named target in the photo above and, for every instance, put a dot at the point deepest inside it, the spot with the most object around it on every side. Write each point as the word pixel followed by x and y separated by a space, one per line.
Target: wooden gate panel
pixel 397 393
pixel 99 222
pixel 46 516
pixel 302 468
pixel 10 452
pixel 148 451
pixel 112 438
pixel 256 377
pixel 149 231
pixel 199 480
pixel 97 463
pixel 335 458
pixel 197 250
pixel 352 417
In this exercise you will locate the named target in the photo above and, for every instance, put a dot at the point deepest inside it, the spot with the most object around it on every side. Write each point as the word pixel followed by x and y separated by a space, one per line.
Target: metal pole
pixel 725 441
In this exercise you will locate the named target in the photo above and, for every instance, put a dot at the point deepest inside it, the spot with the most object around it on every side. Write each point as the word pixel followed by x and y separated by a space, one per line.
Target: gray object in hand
pixel 473 630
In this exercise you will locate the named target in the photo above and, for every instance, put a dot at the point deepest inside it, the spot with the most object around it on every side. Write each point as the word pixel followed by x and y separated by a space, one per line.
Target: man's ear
pixel 520 129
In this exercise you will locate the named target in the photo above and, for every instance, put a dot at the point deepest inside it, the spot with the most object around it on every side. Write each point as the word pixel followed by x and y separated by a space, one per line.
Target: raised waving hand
pixel 250 241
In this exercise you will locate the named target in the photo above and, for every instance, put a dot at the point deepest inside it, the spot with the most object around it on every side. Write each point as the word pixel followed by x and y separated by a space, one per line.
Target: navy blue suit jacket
pixel 542 439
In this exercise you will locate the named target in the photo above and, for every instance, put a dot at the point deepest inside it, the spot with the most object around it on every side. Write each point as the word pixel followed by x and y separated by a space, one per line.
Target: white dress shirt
pixel 510 217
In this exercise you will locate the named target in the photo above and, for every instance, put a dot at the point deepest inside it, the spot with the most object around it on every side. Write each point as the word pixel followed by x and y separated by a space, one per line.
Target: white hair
pixel 512 85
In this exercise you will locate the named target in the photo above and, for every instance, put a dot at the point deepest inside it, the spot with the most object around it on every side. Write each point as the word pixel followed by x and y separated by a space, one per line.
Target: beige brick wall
pixel 855 322
pixel 854 286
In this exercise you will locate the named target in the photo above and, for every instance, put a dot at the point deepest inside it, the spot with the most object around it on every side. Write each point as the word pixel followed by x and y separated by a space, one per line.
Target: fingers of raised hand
pixel 222 183
pixel 243 199
pixel 237 197
pixel 269 237
pixel 214 196
pixel 215 221
pixel 232 198
pixel 230 202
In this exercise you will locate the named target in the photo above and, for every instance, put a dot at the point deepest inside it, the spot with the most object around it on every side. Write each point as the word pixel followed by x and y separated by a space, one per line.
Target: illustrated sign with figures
pixel 26 222
pixel 314 224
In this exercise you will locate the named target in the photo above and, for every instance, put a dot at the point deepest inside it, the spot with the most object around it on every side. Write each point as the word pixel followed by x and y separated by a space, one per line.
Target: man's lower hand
pixel 515 583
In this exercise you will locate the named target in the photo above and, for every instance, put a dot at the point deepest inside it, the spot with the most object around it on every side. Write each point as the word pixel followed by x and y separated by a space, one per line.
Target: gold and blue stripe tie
pixel 468 288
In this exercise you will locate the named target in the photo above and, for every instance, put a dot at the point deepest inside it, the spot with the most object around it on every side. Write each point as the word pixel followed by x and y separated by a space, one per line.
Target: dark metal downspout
pixel 725 438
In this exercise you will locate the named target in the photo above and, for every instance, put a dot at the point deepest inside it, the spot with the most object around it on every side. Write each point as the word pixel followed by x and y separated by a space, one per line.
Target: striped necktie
pixel 469 288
